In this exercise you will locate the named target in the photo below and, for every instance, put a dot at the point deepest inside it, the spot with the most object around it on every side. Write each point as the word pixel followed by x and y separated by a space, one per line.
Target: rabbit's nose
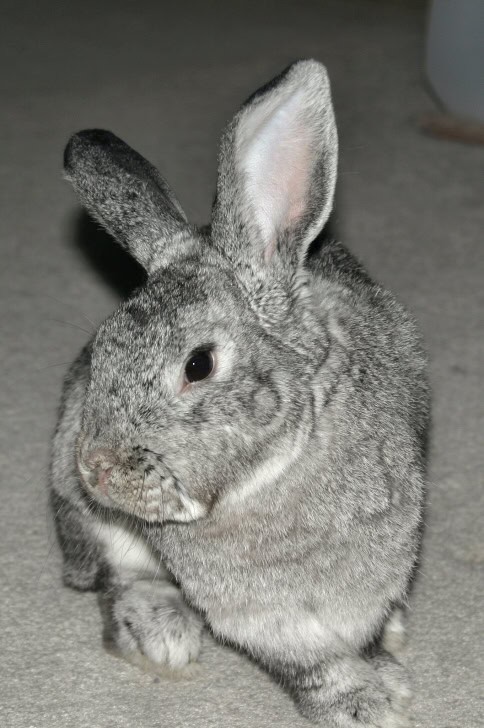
pixel 100 463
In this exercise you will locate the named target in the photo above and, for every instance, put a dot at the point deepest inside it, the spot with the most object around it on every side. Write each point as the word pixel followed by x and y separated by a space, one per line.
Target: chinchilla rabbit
pixel 242 442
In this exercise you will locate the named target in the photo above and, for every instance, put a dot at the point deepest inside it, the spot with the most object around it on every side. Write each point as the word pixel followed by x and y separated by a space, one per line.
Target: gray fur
pixel 125 193
pixel 283 494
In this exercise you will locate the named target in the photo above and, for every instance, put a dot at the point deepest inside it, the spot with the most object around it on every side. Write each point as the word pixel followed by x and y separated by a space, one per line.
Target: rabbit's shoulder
pixel 329 259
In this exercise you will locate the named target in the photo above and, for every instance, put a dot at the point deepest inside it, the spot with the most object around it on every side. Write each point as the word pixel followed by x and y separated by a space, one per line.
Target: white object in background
pixel 455 55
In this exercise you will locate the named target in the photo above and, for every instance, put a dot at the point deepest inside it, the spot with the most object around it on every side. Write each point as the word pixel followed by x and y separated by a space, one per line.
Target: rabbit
pixel 241 445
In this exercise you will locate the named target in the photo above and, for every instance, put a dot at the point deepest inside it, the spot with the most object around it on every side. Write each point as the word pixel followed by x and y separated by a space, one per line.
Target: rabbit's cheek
pixel 266 405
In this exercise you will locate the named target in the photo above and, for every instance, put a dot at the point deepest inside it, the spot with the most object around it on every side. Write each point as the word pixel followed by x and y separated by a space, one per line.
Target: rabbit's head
pixel 201 382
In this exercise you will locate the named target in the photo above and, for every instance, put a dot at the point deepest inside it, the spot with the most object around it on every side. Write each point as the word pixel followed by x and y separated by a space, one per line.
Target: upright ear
pixel 125 193
pixel 277 170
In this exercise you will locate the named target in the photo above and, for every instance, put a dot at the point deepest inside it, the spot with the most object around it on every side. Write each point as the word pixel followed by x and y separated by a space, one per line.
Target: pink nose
pixel 103 480
pixel 101 462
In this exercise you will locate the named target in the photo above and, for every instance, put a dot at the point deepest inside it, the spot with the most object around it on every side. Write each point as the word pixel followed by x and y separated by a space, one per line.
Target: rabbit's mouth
pixel 139 484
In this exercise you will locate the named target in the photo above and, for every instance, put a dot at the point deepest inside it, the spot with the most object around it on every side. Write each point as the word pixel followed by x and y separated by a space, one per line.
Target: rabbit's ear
pixel 277 170
pixel 125 193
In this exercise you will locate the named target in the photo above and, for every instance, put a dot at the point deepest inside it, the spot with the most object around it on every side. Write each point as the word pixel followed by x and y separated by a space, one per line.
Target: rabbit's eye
pixel 199 365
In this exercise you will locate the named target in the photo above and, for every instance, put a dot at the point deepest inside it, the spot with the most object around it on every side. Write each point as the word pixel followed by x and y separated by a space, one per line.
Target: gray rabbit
pixel 242 443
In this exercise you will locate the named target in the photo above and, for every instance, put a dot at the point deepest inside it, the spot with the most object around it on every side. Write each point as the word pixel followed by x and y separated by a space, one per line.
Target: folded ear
pixel 125 193
pixel 277 170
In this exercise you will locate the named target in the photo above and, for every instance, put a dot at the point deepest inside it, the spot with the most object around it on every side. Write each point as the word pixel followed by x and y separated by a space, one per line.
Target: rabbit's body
pixel 282 486
pixel 294 561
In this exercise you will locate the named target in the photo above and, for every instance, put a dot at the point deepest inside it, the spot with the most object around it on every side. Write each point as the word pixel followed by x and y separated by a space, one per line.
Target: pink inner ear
pixel 270 249
pixel 275 144
pixel 289 186
pixel 299 170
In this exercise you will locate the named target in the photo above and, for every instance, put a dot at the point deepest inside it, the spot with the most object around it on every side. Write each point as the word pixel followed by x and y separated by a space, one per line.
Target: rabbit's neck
pixel 268 473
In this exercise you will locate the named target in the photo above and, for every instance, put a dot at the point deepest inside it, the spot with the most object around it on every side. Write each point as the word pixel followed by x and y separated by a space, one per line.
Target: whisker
pixel 49 366
pixel 74 308
pixel 155 577
pixel 74 326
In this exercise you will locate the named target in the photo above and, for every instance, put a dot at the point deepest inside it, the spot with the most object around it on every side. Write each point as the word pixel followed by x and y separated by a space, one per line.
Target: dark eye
pixel 199 365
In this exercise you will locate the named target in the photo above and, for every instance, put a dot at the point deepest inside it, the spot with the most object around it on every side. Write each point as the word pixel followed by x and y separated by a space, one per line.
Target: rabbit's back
pixel 387 361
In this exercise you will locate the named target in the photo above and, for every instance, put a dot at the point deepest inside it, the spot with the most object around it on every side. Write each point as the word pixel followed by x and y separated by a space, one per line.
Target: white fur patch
pixel 302 635
pixel 127 550
pixel 192 508
pixel 394 633
pixel 263 476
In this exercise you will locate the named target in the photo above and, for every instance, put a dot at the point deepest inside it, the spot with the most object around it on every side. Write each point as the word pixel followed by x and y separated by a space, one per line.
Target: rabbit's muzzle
pixel 137 482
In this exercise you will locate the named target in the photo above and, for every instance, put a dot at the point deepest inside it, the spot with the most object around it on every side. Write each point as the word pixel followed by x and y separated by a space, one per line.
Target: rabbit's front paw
pixel 364 695
pixel 150 625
